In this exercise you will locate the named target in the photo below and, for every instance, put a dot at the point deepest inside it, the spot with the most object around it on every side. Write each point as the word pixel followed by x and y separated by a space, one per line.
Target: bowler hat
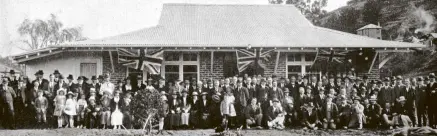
pixel 39 72
pixel 379 82
pixel 12 72
pixel 401 98
pixel 60 77
pixel 93 78
pixel 100 77
pixel 365 77
pixel 56 72
pixel 70 77
pixel 79 78
pixel 399 77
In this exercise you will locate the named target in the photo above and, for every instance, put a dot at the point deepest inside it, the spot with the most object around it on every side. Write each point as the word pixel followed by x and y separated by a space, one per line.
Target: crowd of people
pixel 258 102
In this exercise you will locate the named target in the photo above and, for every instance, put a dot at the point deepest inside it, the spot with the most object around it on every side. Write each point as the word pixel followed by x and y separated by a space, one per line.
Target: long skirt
pixel 175 120
pixel 194 119
pixel 117 118
pixel 185 118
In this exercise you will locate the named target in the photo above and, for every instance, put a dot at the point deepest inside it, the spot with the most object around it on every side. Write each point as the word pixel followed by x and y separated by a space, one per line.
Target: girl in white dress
pixel 117 116
pixel 70 109
pixel 59 103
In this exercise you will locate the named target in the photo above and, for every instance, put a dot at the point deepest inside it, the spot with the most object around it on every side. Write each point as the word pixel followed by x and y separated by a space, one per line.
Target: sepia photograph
pixel 218 67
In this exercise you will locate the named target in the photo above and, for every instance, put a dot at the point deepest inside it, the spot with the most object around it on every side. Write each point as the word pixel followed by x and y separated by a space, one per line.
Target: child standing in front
pixel 41 104
pixel 81 106
pixel 70 109
pixel 59 103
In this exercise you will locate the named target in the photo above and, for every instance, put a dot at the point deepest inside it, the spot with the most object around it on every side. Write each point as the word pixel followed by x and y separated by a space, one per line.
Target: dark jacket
pixel 241 96
pixel 251 112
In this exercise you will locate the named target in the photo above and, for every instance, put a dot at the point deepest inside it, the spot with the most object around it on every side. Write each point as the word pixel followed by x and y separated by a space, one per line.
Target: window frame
pixel 302 63
pixel 181 63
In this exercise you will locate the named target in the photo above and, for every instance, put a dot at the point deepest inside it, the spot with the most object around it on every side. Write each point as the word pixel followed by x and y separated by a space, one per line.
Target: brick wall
pixel 205 65
pixel 119 70
pixel 218 71
pixel 281 70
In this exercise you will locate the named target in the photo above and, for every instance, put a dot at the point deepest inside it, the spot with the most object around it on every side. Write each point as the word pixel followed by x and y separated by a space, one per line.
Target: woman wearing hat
pixel 70 109
pixel 59 103
pixel 175 110
pixel 204 110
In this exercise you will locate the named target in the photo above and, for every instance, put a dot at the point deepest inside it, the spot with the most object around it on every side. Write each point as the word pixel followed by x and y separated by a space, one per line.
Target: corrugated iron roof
pixel 192 25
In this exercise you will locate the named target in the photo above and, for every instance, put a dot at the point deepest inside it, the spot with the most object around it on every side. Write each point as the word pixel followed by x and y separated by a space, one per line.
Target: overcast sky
pixel 98 18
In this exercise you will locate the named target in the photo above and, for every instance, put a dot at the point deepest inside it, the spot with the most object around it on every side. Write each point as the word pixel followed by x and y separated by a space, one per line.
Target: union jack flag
pixel 332 56
pixel 255 56
pixel 140 59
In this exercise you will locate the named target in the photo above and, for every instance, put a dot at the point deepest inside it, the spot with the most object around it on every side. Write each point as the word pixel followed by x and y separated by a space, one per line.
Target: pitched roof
pixel 192 25
pixel 370 26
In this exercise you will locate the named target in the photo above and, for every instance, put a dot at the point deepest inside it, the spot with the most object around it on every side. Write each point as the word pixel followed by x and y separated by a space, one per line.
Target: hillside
pixel 400 20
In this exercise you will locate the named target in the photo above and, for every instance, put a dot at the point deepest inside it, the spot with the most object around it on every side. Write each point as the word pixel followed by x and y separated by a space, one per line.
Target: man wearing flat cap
pixel 430 100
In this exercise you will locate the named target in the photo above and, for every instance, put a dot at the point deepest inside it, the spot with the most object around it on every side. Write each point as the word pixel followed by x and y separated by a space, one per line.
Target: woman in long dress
pixel 70 109
pixel 117 116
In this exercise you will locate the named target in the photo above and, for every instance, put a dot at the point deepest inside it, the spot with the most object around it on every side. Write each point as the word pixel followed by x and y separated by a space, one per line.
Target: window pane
pixel 310 56
pixel 171 56
pixel 295 69
pixel 190 57
pixel 171 76
pixel 171 68
pixel 190 68
pixel 292 57
pixel 190 76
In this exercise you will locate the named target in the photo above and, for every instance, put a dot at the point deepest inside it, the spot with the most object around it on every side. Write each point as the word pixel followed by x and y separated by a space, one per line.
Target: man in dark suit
pixel 293 87
pixel 241 95
pixel 386 94
pixel 373 113
pixel 139 86
pixel 420 100
pixel 13 81
pixel 432 105
pixel 399 87
pixel 7 103
pixel 94 84
pixel 43 83
pixel 204 110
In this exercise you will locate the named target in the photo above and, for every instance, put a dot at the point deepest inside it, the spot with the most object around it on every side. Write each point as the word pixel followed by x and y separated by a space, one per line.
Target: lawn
pixel 88 132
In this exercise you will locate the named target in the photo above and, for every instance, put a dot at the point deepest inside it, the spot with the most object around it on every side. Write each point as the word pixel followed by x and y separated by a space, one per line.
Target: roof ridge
pixel 201 4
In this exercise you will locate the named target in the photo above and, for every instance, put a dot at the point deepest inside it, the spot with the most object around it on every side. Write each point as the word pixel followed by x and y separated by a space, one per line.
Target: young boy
pixel 41 104
pixel 81 106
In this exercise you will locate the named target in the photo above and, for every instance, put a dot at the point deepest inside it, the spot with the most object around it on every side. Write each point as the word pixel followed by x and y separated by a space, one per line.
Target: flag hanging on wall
pixel 245 58
pixel 140 59
pixel 329 60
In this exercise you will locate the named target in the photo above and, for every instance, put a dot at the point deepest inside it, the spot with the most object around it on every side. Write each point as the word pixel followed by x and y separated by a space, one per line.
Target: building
pixel 371 30
pixel 200 41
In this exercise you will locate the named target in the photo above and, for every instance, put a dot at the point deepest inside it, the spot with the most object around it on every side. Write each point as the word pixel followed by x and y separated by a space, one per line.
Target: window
pixel 88 69
pixel 294 57
pixel 300 63
pixel 180 65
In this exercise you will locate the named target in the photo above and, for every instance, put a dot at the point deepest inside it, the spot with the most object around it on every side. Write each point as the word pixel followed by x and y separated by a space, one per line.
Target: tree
pixel 372 12
pixel 312 9
pixel 42 33
pixel 346 21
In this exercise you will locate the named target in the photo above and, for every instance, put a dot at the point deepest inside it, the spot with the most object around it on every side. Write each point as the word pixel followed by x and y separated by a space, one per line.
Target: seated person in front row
pixel 387 116
pixel 329 114
pixel 344 110
pixel 275 115
pixel 373 113
pixel 310 117
pixel 291 118
pixel 253 114
pixel 357 114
